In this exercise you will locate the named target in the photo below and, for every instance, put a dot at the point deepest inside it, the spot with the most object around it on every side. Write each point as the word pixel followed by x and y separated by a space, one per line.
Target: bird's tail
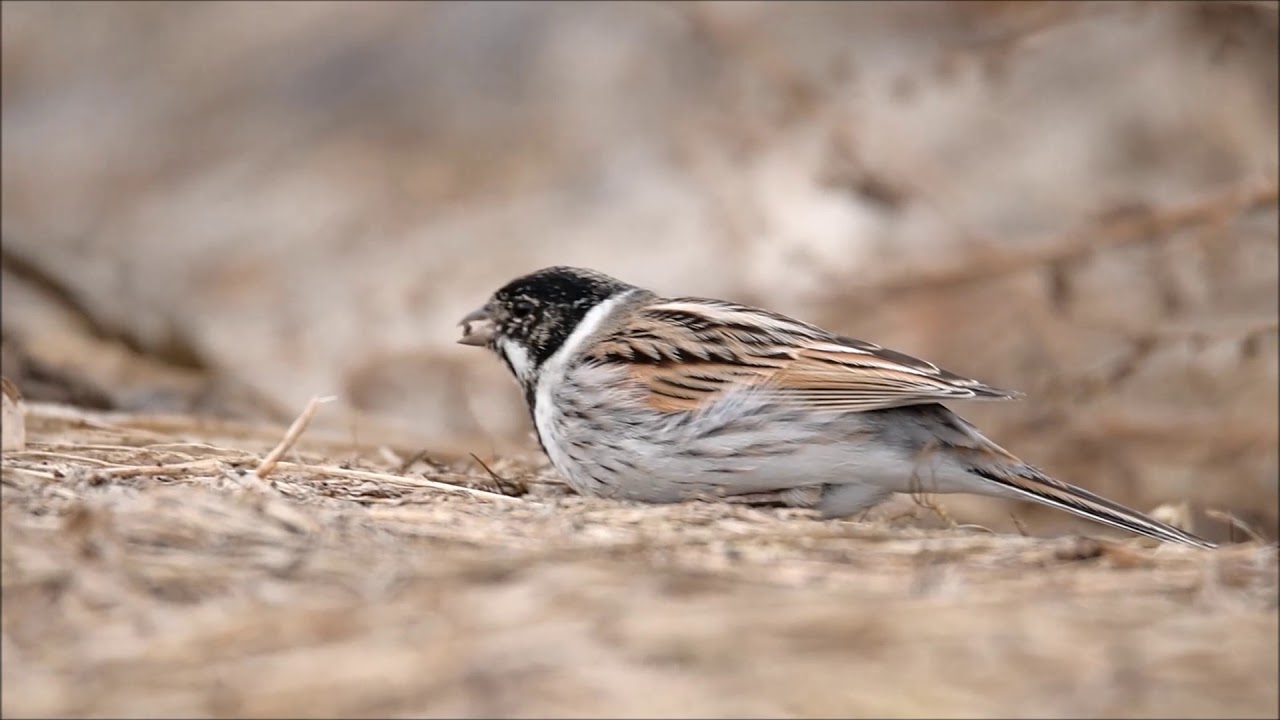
pixel 1026 481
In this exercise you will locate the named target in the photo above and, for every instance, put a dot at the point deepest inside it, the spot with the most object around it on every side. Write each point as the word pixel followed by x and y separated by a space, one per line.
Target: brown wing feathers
pixel 686 350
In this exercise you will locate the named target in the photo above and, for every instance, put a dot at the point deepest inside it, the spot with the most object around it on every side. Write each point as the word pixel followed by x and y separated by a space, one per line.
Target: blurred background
pixel 227 208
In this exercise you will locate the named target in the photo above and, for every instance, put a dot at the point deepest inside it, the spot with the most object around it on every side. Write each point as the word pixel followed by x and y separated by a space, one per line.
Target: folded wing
pixel 685 350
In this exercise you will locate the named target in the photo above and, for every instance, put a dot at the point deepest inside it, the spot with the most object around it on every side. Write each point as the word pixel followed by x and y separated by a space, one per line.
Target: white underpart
pixel 553 370
pixel 722 441
pixel 521 363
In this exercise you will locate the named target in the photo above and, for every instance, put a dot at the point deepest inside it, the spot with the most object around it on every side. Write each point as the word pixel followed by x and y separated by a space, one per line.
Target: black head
pixel 537 313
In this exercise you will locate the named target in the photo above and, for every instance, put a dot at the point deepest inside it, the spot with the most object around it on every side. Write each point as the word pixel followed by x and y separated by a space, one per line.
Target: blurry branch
pixel 1206 443
pixel 45 380
pixel 1143 343
pixel 1208 432
pixel 27 270
pixel 1245 335
pixel 994 50
pixel 1000 34
pixel 1035 20
pixel 742 42
pixel 1237 523
pixel 58 347
pixel 1125 227
pixel 175 350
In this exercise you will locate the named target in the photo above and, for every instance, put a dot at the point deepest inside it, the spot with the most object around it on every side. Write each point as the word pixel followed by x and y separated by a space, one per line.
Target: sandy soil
pixel 147 573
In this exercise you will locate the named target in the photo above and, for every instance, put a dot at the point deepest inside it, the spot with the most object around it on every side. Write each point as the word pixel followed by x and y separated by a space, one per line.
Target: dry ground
pixel 145 573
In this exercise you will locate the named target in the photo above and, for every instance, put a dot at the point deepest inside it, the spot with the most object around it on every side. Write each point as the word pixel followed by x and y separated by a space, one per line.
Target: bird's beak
pixel 477 328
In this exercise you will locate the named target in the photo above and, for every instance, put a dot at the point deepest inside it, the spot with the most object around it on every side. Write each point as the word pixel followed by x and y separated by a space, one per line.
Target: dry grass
pixel 146 572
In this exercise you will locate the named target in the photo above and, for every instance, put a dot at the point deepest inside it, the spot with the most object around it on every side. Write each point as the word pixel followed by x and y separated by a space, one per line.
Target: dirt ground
pixel 146 572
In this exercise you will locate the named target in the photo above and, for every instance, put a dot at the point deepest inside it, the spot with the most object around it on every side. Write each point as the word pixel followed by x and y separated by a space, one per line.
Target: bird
pixel 638 396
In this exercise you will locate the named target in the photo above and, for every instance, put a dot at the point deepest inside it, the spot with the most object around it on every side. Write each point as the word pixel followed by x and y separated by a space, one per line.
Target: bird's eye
pixel 521 310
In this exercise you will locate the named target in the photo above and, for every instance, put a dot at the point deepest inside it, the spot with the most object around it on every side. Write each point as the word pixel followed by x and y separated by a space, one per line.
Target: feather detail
pixel 686 350
pixel 1031 484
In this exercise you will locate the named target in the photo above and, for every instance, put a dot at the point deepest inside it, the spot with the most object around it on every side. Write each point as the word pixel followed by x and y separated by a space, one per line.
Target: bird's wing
pixel 686 350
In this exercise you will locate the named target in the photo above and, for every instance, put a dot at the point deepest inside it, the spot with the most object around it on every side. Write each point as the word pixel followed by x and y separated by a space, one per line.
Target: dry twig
pixel 1236 522
pixel 400 480
pixel 291 436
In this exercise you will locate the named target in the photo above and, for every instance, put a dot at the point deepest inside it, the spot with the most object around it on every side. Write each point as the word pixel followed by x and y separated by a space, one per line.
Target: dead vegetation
pixel 147 572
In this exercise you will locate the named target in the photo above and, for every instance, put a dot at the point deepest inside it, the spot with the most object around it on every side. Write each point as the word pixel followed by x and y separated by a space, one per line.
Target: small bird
pixel 656 399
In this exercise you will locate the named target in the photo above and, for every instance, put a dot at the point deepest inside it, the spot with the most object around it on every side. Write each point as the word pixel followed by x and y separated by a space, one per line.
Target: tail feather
pixel 1028 482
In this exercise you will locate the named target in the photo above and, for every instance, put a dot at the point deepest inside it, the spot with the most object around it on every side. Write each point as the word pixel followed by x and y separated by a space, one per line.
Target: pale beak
pixel 477 328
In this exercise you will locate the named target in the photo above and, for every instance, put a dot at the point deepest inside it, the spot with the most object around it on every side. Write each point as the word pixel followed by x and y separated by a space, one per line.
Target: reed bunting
pixel 659 399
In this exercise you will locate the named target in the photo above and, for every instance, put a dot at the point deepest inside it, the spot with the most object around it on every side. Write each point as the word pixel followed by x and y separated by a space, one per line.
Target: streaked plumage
pixel 667 399
pixel 686 350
